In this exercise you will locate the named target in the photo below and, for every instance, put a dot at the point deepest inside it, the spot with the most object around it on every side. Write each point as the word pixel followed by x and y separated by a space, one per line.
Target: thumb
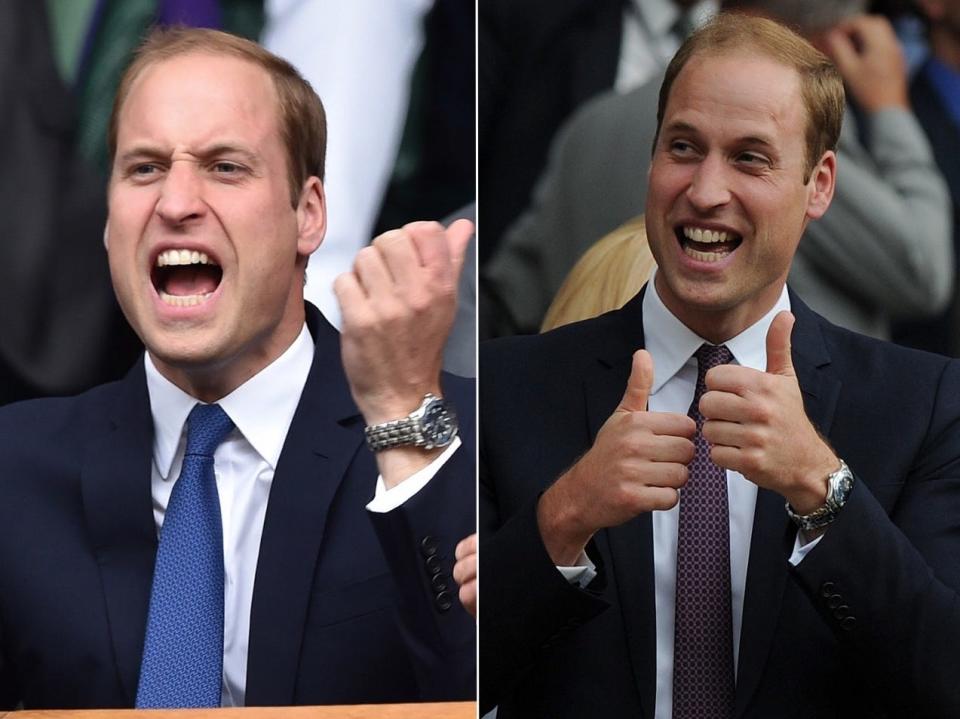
pixel 638 386
pixel 458 239
pixel 779 360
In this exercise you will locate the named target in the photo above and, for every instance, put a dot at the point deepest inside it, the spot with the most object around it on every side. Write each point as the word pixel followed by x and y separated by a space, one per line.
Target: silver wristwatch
pixel 839 484
pixel 432 424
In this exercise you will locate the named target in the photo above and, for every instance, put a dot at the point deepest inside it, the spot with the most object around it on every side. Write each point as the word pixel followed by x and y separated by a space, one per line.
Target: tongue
pixel 195 280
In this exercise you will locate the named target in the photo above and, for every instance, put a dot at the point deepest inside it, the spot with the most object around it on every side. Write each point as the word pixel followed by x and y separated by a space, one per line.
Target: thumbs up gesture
pixel 637 464
pixel 758 426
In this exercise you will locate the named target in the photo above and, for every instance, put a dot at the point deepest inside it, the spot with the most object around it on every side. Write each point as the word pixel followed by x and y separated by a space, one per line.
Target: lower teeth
pixel 184 300
pixel 706 256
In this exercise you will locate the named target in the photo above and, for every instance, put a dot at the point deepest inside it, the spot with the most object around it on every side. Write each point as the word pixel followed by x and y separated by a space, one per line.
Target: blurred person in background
pixel 539 60
pixel 882 252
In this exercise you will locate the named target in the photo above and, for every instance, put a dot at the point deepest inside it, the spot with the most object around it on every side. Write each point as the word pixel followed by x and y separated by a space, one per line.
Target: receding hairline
pixel 143 71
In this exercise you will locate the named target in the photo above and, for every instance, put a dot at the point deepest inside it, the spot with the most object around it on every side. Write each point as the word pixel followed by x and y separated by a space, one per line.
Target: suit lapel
pixel 320 445
pixel 118 510
pixel 630 544
pixel 773 533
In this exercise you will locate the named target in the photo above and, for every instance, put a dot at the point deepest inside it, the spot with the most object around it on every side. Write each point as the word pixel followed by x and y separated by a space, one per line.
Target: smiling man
pixel 720 504
pixel 211 529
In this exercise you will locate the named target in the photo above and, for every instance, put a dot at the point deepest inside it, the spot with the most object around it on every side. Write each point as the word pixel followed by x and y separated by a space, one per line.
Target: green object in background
pixel 122 26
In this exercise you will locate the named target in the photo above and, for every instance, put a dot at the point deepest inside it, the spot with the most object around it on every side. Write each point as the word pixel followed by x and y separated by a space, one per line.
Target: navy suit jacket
pixel 867 625
pixel 348 606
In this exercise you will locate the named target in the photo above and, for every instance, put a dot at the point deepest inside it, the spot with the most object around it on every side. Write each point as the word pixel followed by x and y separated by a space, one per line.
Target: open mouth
pixel 707 245
pixel 184 278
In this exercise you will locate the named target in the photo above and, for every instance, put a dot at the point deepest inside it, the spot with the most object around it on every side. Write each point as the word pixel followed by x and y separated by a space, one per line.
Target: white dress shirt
pixel 261 409
pixel 359 56
pixel 649 37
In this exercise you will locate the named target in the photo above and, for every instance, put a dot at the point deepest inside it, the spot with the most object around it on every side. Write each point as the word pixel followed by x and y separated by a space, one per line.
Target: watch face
pixel 439 424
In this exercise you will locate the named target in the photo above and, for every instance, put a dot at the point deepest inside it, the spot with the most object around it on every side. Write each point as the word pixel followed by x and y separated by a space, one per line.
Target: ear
pixel 823 180
pixel 311 217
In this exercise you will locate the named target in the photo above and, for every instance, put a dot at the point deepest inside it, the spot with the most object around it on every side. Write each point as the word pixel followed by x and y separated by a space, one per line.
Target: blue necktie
pixel 183 652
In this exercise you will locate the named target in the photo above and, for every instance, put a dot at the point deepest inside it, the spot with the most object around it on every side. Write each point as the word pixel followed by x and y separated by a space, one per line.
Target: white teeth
pixel 184 300
pixel 182 257
pixel 705 256
pixel 698 234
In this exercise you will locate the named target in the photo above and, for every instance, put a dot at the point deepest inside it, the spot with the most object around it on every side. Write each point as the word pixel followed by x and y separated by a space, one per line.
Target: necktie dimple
pixel 182 662
pixel 703 678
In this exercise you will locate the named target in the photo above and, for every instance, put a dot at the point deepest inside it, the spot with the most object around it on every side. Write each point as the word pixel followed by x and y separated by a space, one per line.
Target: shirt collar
pixel 671 343
pixel 660 16
pixel 262 408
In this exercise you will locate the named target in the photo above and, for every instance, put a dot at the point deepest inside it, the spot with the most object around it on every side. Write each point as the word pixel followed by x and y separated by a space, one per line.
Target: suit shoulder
pixel 53 422
pixel 564 353
pixel 886 372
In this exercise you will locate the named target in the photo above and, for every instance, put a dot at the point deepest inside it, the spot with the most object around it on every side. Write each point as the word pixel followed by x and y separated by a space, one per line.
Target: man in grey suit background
pixel 882 252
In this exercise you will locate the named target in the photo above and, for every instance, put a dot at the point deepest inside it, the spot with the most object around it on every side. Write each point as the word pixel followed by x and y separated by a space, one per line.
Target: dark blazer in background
pixel 941 333
pixel 537 60
pixel 345 609
pixel 60 328
pixel 868 625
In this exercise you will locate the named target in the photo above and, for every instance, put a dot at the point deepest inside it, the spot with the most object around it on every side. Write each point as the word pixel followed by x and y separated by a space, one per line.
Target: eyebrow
pixel 680 126
pixel 207 153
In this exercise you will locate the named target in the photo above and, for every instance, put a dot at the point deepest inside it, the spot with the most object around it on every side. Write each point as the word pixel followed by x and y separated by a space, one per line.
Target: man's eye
pixel 144 170
pixel 681 147
pixel 226 168
pixel 752 158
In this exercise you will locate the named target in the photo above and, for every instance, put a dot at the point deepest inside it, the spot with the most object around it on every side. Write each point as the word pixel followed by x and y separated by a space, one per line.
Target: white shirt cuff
pixel 582 574
pixel 386 500
pixel 801 550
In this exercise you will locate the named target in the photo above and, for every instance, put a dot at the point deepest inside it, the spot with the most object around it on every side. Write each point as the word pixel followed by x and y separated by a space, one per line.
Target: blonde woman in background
pixel 607 275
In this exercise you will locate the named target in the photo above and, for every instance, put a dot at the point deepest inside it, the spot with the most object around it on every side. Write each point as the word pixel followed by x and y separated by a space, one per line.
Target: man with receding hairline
pixel 713 502
pixel 211 530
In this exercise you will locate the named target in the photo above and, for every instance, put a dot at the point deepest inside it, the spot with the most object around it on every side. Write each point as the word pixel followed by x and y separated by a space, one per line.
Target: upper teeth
pixel 698 235
pixel 182 257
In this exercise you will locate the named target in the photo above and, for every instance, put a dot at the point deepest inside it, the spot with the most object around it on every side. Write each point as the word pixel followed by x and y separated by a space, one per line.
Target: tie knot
pixel 207 426
pixel 709 356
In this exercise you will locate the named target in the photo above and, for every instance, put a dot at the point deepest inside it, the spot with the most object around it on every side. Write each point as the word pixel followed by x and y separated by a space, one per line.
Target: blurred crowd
pixel 568 96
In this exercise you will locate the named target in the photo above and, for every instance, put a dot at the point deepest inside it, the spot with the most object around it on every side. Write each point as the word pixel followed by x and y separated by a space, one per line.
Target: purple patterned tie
pixel 703 636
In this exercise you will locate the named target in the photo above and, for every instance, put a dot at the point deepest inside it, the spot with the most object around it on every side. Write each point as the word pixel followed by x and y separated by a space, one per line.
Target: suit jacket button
pixel 439 582
pixel 841 612
pixel 433 564
pixel 848 623
pixel 834 601
pixel 826 589
pixel 428 546
pixel 442 600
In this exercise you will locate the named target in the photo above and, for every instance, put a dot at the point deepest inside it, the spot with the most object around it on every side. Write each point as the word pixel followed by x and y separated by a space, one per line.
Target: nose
pixel 709 186
pixel 181 194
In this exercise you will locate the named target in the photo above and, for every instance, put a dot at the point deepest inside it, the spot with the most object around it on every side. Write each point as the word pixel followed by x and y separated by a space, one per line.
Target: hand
pixel 758 427
pixel 637 464
pixel 465 573
pixel 398 306
pixel 867 53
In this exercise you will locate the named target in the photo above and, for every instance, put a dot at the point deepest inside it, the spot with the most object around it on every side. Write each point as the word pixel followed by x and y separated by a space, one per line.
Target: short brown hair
pixel 303 123
pixel 821 86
